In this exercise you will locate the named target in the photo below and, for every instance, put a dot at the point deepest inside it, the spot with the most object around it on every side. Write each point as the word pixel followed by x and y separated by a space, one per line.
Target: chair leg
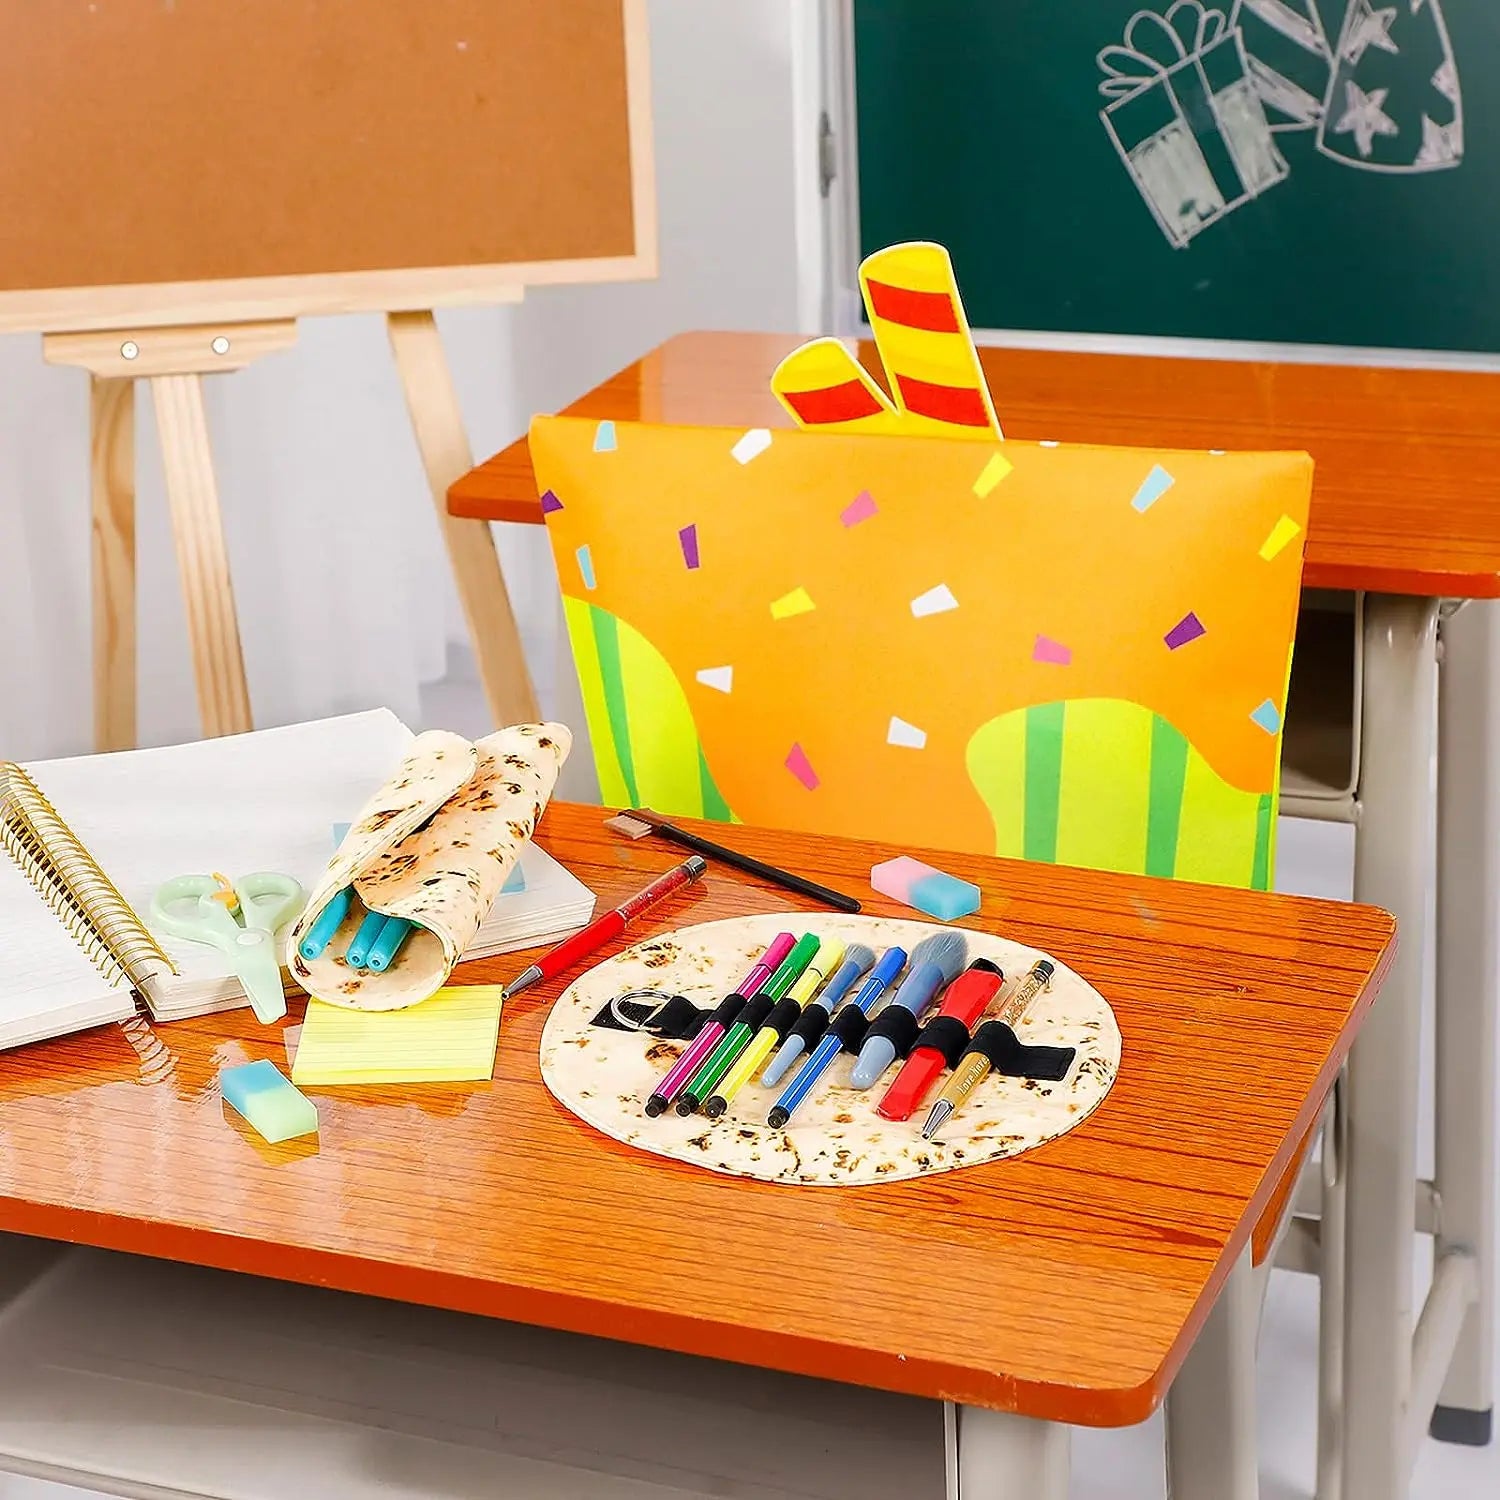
pixel 1211 1407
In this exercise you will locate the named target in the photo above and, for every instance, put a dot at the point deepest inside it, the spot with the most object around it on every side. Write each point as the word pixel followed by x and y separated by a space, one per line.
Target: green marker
pixel 751 1018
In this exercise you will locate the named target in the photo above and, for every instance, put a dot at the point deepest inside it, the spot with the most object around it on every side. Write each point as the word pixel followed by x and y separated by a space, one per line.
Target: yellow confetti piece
pixel 991 475
pixel 798 602
pixel 1281 533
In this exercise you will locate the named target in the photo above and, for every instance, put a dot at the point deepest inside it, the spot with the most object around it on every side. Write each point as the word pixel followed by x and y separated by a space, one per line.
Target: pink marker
pixel 718 1023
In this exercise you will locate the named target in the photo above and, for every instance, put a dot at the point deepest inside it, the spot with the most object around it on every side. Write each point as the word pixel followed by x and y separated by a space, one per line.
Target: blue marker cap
pixel 358 953
pixel 387 944
pixel 328 922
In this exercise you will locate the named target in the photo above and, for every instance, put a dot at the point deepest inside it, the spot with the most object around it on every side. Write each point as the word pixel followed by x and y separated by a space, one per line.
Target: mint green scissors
pixel 241 919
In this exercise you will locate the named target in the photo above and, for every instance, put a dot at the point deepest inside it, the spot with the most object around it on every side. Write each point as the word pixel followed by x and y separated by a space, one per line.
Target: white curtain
pixel 343 591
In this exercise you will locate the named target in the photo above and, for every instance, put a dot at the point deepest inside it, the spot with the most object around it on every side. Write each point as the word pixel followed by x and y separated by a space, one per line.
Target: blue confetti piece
pixel 1153 487
pixel 586 567
pixel 604 440
pixel 1268 716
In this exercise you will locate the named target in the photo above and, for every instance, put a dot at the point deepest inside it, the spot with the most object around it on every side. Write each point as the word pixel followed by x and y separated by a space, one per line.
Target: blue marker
pixel 358 954
pixel 330 919
pixel 856 963
pixel 882 976
pixel 387 945
pixel 935 964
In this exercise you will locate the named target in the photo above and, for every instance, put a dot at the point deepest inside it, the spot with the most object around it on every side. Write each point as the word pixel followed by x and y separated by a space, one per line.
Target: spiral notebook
pixel 91 838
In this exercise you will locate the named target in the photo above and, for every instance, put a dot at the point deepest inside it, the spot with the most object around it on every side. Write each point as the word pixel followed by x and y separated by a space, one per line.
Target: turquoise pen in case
pixel 330 919
pixel 357 955
pixel 387 944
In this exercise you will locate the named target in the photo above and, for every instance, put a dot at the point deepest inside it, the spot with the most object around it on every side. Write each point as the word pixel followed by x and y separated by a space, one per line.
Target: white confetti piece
pixel 752 445
pixel 907 736
pixel 934 601
pixel 719 678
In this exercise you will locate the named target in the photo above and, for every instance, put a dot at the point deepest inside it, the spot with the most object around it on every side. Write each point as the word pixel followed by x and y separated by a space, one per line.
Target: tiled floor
pixel 1314 859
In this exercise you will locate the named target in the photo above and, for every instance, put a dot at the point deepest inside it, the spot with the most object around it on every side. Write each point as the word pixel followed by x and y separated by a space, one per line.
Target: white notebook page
pixel 261 801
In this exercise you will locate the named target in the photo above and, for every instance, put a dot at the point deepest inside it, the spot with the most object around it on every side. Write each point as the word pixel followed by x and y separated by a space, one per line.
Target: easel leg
pixel 112 483
pixel 438 423
pixel 223 698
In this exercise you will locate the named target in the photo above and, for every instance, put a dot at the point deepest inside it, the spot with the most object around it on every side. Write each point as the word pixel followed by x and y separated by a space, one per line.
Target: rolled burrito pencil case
pixel 433 846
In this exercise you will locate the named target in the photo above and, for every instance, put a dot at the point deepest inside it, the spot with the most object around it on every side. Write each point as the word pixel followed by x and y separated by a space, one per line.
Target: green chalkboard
pixel 1306 171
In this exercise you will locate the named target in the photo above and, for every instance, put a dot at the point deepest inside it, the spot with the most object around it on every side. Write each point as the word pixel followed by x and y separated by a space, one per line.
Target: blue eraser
pixel 264 1096
pixel 912 883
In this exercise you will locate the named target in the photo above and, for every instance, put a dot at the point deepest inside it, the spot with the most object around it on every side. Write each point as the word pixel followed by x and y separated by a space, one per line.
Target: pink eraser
pixel 912 883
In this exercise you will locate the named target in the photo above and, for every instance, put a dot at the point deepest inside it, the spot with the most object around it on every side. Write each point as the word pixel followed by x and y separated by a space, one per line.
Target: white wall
pixel 342 589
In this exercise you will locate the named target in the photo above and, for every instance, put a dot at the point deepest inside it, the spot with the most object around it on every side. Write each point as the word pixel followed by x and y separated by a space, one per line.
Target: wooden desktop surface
pixel 1406 489
pixel 1066 1283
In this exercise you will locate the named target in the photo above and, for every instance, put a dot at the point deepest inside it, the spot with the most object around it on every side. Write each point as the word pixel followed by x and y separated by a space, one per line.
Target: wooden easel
pixel 457 154
pixel 174 361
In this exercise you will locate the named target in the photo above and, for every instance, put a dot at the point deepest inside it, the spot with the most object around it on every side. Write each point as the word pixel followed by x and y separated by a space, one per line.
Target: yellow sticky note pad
pixel 449 1038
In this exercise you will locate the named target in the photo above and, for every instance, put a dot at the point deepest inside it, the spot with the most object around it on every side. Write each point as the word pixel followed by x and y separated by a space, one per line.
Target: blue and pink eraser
pixel 270 1104
pixel 912 883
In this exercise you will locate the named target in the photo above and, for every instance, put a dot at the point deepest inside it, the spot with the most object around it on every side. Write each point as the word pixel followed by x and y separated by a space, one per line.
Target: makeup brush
pixel 935 963
pixel 637 822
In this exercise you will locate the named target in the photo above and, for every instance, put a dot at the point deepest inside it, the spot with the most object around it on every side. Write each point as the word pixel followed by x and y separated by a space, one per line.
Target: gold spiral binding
pixel 68 878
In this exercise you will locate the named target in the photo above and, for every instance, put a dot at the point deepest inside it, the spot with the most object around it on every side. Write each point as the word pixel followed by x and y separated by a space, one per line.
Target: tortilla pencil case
pixel 433 845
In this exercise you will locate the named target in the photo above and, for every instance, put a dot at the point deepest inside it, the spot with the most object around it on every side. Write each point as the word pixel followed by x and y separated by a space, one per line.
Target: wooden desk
pixel 1087 1266
pixel 1406 492
pixel 1406 511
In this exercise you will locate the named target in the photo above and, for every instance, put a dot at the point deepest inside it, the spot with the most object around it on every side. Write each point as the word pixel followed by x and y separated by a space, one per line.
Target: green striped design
pixel 1109 785
pixel 645 743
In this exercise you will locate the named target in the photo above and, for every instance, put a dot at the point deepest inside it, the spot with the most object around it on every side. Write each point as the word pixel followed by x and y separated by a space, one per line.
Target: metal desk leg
pixel 1468 981
pixel 1211 1406
pixel 996 1455
pixel 1390 870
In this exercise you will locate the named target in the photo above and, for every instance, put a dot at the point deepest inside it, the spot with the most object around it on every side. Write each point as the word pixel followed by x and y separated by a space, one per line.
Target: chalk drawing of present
pixel 1187 119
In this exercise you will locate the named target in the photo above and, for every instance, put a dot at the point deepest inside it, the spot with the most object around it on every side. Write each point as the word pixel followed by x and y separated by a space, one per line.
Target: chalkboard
pixel 180 160
pixel 1305 171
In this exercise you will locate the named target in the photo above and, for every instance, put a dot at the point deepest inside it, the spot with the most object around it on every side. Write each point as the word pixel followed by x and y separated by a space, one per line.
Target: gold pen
pixel 976 1065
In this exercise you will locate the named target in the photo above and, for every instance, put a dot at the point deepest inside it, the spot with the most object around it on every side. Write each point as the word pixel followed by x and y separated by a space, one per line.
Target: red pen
pixel 966 1000
pixel 593 937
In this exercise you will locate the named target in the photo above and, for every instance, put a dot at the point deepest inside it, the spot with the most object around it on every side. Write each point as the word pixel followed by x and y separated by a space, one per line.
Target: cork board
pixel 180 160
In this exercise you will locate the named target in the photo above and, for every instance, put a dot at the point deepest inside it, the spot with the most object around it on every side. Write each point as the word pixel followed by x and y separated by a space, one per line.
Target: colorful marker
pixel 387 945
pixel 716 1025
pixel 328 922
pixel 757 1010
pixel 809 1028
pixel 358 953
pixel 882 976
pixel 780 1021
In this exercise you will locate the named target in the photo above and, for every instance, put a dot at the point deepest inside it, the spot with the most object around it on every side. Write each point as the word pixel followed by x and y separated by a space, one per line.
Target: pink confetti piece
pixel 800 767
pixel 1052 652
pixel 1188 628
pixel 688 536
pixel 860 508
pixel 550 503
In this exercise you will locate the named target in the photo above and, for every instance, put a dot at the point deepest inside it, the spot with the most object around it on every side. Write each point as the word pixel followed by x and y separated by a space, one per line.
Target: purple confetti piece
pixel 1052 652
pixel 688 536
pixel 1188 628
pixel 801 767
pixel 860 508
pixel 550 503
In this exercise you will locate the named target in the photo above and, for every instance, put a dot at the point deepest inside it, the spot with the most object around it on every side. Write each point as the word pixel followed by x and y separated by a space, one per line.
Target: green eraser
pixel 262 1094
